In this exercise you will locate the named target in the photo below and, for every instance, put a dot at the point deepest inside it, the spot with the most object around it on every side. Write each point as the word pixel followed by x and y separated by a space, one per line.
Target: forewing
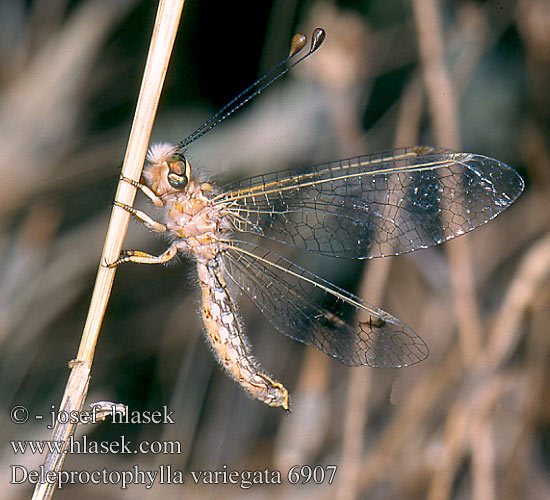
pixel 377 205
pixel 315 312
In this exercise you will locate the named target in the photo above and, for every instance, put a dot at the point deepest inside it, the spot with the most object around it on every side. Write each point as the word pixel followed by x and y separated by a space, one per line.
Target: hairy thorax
pixel 191 217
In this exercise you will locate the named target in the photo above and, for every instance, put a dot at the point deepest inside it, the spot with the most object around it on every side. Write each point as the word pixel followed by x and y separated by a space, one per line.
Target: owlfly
pixel 359 208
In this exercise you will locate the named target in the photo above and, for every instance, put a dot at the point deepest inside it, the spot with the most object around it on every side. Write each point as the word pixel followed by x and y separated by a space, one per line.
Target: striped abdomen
pixel 225 334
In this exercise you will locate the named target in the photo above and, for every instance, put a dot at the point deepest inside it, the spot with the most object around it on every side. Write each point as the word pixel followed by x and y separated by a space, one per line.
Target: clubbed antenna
pixel 297 44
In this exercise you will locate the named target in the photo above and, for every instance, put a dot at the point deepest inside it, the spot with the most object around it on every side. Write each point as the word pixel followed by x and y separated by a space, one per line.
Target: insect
pixel 363 207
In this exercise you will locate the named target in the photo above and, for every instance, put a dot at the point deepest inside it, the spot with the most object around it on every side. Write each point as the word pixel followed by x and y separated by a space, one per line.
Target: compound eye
pixel 178 177
pixel 177 181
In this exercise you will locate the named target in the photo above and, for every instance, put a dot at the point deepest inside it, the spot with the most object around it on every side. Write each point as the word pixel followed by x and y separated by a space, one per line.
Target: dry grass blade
pixel 443 112
pixel 166 24
pixel 532 275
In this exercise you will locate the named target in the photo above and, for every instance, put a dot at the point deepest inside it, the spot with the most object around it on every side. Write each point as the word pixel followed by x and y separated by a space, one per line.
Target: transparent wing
pixel 316 312
pixel 373 206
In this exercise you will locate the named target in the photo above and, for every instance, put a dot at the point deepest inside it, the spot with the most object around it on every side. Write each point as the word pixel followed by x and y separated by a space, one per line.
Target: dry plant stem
pixel 517 470
pixel 442 105
pixel 166 25
pixel 168 15
pixel 483 468
pixel 373 285
pixel 454 437
pixel 409 419
pixel 440 92
pixel 532 275
pixel 410 114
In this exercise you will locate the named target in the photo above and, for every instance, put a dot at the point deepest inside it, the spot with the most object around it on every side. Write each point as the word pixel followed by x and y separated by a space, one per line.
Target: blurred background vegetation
pixel 472 421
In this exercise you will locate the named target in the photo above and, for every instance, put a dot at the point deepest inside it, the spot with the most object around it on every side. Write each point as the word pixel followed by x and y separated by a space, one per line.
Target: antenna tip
pixel 317 38
pixel 298 42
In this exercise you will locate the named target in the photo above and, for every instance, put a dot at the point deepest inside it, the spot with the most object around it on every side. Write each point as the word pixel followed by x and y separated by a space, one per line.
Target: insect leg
pixel 142 217
pixel 145 190
pixel 140 257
